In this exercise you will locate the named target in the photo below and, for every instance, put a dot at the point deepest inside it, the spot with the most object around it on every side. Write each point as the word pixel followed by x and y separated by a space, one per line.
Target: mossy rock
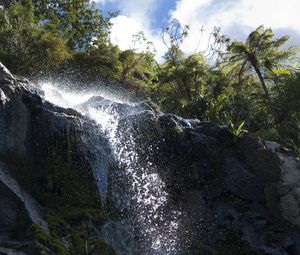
pixel 99 247
pixel 65 179
pixel 81 245
pixel 77 226
pixel 44 242
pixel 75 215
pixel 79 242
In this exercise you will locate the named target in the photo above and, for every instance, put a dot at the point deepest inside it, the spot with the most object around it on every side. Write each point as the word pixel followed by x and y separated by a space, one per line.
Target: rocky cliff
pixel 63 189
pixel 49 200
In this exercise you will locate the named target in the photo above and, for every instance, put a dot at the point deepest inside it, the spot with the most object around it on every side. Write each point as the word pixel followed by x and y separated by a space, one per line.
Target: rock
pixel 224 185
pixel 6 251
pixel 272 146
pixel 62 189
pixel 261 162
pixel 46 170
pixel 241 182
pixel 289 189
pixel 3 98
pixel 5 74
pixel 278 148
pixel 31 207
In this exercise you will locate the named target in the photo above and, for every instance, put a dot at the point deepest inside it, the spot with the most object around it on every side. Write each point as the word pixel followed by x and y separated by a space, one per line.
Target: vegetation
pixel 260 53
pixel 252 85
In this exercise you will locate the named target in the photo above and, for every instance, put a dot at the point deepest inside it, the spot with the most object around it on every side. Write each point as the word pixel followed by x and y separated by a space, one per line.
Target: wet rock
pixel 289 189
pixel 46 166
pixel 226 186
pixel 5 75
pixel 259 161
pixel 236 195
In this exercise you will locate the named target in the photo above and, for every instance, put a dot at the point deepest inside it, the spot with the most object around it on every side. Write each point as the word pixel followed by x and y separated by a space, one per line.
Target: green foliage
pixel 72 37
pixel 101 62
pixel 135 65
pixel 44 241
pixel 288 93
pixel 269 134
pixel 260 53
pixel 238 130
pixel 99 247
pixel 73 224
pixel 182 87
pixel 82 245
pixel 24 46
pixel 230 94
pixel 78 20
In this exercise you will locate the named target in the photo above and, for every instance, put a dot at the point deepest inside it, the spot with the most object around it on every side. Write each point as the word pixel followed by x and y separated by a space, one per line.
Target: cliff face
pixel 237 195
pixel 49 199
pixel 62 187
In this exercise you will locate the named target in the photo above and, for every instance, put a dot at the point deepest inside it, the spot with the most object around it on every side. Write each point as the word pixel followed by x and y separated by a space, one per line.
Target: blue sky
pixel 160 16
pixel 237 18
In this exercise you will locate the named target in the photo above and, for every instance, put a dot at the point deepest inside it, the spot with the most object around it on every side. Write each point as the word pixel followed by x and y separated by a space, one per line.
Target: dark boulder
pixel 230 189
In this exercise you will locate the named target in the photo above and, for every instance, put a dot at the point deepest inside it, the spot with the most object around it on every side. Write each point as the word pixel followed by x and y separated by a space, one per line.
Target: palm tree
pixel 260 53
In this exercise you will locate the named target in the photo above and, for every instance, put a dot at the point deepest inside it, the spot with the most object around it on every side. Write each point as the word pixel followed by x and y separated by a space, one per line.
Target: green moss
pixel 64 182
pixel 59 176
pixel 99 247
pixel 57 225
pixel 77 225
pixel 75 214
pixel 43 240
pixel 79 242
pixel 83 245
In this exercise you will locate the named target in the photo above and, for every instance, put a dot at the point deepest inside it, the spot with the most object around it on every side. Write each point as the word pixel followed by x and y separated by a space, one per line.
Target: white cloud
pixel 236 18
pixel 125 27
pixel 135 16
pixel 141 10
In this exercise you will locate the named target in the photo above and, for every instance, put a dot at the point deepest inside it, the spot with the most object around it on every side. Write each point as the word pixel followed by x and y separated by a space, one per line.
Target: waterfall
pixel 148 225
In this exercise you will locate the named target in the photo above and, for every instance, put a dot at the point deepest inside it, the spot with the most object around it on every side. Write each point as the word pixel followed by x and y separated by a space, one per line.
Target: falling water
pixel 155 226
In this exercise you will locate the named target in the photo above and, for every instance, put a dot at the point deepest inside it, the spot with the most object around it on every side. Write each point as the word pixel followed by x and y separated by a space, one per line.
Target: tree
pixel 101 62
pixel 77 20
pixel 183 87
pixel 24 46
pixel 173 36
pixel 261 53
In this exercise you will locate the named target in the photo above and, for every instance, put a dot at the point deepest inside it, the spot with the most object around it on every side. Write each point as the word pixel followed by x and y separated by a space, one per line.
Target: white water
pixel 146 199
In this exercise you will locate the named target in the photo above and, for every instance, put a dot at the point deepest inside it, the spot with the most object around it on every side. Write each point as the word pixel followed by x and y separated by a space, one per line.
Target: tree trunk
pixel 263 84
pixel 261 79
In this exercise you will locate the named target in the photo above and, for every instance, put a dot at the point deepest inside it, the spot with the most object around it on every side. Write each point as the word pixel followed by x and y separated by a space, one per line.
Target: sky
pixel 237 18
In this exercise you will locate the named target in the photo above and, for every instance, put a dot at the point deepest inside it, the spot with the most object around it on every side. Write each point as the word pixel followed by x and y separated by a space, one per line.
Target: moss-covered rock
pixel 42 242
pixel 44 149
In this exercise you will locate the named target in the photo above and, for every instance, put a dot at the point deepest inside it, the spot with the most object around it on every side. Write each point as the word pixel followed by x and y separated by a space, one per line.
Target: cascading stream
pixel 146 198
